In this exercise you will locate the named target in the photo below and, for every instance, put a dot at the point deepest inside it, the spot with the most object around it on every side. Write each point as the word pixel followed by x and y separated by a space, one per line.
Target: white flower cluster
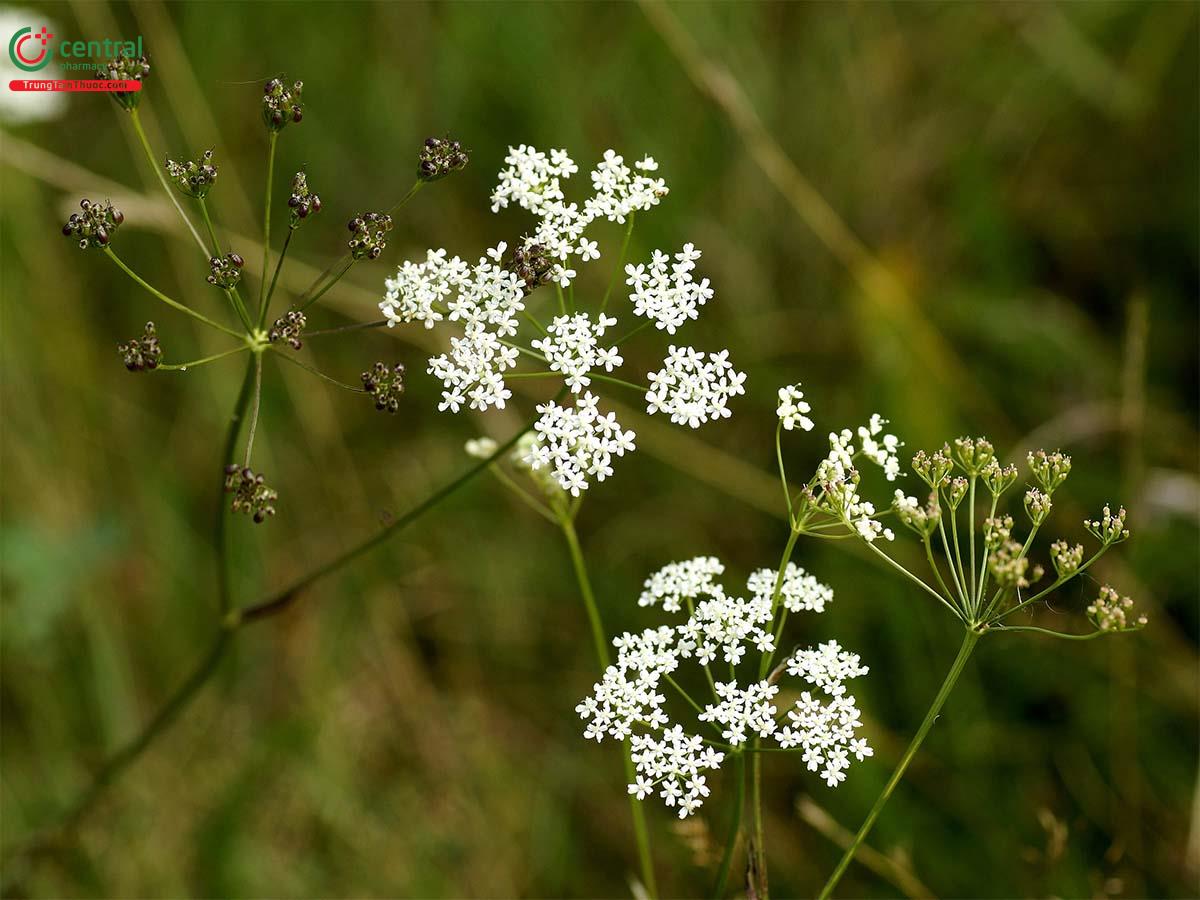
pixel 577 443
pixel 691 389
pixel 534 181
pixel 799 590
pixel 572 347
pixel 629 703
pixel 673 765
pixel 839 479
pixel 793 408
pixel 740 710
pixel 681 581
pixel 665 293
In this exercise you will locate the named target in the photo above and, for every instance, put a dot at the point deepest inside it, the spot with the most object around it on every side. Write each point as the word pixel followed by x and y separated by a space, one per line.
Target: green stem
pixel 282 354
pixel 224 589
pixel 960 661
pixel 1090 636
pixel 640 832
pixel 255 408
pixel 183 367
pixel 275 278
pixel 357 326
pixel 174 304
pixel 971 532
pixel 306 303
pixel 280 601
pixel 612 281
pixel 162 179
pixel 760 838
pixel 235 298
pixel 735 825
pixel 787 495
pixel 262 283
pixel 913 578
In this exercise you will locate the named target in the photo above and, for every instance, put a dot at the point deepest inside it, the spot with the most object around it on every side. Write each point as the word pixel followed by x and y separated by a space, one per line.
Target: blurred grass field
pixel 973 218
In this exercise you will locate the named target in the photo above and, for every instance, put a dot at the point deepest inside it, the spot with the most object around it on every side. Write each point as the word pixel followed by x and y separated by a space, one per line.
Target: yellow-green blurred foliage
pixel 972 218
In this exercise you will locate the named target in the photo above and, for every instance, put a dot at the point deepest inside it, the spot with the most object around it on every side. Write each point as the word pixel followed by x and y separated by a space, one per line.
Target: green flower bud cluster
pixel 95 225
pixel 141 353
pixel 250 494
pixel 386 385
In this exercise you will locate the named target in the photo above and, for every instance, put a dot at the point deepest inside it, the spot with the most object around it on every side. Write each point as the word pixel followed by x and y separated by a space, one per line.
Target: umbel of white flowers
pixel 671 758
pixel 575 441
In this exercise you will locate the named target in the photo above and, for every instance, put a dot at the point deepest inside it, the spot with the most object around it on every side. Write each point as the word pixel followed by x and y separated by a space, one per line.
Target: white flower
pixel 741 711
pixel 686 580
pixel 532 179
pixel 723 626
pixel 571 346
pixel 674 763
pixel 799 591
pixel 825 732
pixel 473 370
pixel 828 667
pixel 588 250
pixel 578 443
pixel 693 390
pixel 882 452
pixel 793 408
pixel 619 191
pixel 668 296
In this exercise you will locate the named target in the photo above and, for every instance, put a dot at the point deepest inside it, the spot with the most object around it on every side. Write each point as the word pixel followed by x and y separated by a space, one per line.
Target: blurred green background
pixel 973 218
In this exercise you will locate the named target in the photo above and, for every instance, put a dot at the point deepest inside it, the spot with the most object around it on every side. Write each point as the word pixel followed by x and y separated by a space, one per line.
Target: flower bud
pixel 386 385
pixel 288 327
pixel 250 494
pixel 1109 528
pixel 1037 506
pixel 225 271
pixel 1050 469
pixel 124 68
pixel 193 177
pixel 1066 559
pixel 955 491
pixel 369 235
pixel 438 158
pixel 973 454
pixel 141 353
pixel 281 104
pixel 932 468
pixel 94 225
pixel 998 478
pixel 1111 612
pixel 303 202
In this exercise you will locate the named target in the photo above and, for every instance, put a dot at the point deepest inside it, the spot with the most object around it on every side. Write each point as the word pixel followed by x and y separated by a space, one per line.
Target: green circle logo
pixel 29 51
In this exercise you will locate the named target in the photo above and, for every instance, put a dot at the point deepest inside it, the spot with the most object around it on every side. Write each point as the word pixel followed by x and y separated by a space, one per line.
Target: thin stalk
pixel 914 579
pixel 956 561
pixel 983 572
pixel 403 201
pixel 183 367
pixel 280 601
pixel 640 832
pixel 960 661
pixel 224 589
pixel 633 331
pixel 787 495
pixel 760 845
pixel 255 408
pixel 235 298
pixel 735 824
pixel 127 755
pixel 275 278
pixel 357 326
pixel 971 533
pixel 305 304
pixel 1090 636
pixel 958 587
pixel 262 284
pixel 620 267
pixel 936 571
pixel 162 179
pixel 315 371
pixel 174 304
